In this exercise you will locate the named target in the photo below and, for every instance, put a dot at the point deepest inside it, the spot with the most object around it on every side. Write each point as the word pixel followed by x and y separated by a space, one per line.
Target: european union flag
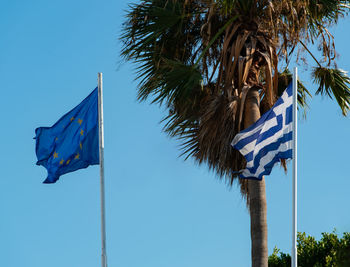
pixel 72 142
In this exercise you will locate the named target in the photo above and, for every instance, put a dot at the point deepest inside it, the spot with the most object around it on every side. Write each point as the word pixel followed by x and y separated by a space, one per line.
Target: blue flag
pixel 269 139
pixel 72 142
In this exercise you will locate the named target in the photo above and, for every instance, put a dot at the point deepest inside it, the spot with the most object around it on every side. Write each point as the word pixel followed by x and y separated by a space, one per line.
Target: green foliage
pixel 282 260
pixel 334 82
pixel 330 251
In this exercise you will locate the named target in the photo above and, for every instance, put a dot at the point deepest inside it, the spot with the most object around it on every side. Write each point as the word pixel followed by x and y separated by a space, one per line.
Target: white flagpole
pixel 295 180
pixel 102 173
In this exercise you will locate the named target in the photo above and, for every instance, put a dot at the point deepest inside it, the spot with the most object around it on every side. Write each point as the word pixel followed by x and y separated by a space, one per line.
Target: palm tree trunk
pixel 257 195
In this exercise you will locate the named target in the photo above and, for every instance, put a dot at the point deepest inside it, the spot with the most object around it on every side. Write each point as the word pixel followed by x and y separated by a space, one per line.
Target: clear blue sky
pixel 161 211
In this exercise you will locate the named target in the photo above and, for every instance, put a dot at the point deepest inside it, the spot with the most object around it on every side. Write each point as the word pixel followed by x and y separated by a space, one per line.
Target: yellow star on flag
pixel 77 156
pixel 67 162
pixel 61 162
pixel 55 155
pixel 81 146
pixel 80 121
pixel 81 132
pixel 72 119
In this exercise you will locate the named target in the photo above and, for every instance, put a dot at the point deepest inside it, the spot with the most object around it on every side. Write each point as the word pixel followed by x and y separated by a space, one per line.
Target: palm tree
pixel 216 65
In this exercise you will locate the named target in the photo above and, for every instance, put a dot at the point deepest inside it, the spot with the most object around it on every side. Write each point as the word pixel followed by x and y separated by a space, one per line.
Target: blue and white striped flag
pixel 269 139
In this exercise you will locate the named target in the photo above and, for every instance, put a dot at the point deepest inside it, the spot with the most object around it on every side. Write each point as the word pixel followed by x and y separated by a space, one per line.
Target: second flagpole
pixel 295 174
pixel 102 173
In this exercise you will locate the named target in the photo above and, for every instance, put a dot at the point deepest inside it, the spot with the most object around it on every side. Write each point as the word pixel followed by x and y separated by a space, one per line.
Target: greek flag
pixel 269 139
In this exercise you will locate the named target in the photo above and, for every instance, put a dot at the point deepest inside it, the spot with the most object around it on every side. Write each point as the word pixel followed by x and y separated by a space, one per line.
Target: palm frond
pixel 178 81
pixel 327 10
pixel 146 23
pixel 333 82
